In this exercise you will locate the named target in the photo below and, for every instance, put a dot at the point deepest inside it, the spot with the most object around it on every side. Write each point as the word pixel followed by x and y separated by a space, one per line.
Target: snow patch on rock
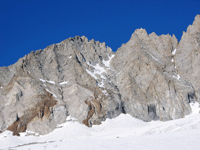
pixel 105 92
pixel 97 70
pixel 107 63
pixel 52 82
pixel 51 93
pixel 92 74
pixel 174 52
pixel 65 82
pixel 177 77
pixel 195 108
pixel 152 56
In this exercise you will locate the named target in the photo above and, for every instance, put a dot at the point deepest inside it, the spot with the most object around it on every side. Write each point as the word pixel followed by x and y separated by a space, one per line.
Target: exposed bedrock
pixel 150 77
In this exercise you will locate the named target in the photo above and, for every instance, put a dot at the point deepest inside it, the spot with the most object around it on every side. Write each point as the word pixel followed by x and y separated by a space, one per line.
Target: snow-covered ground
pixel 121 133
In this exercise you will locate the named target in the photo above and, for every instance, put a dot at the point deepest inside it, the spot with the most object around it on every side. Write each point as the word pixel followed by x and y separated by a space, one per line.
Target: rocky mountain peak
pixel 192 29
pixel 150 77
pixel 140 32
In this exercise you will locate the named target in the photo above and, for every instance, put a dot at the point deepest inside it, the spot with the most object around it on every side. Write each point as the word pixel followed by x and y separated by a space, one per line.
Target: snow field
pixel 121 133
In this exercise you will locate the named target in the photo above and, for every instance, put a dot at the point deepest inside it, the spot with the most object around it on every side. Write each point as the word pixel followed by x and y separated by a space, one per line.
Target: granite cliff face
pixel 150 77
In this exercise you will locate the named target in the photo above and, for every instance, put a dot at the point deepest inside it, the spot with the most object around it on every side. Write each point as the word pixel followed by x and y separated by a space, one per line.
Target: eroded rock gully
pixel 150 77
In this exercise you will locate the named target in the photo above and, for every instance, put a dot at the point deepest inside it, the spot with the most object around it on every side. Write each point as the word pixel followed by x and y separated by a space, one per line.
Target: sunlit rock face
pixel 150 77
pixel 187 58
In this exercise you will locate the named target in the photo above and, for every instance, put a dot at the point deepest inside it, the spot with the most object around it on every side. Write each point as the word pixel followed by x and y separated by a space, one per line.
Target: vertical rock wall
pixel 150 77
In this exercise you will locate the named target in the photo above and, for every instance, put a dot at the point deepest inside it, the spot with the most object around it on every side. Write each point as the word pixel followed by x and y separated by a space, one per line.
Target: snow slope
pixel 121 133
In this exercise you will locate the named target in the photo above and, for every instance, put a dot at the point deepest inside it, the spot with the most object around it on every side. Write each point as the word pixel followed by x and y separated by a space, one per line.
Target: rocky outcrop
pixel 187 58
pixel 147 79
pixel 150 77
pixel 40 110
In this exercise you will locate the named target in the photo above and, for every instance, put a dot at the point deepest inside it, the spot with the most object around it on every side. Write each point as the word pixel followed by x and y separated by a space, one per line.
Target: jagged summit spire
pixel 150 77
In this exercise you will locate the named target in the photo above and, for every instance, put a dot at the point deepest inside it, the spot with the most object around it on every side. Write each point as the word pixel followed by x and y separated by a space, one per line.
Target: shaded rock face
pixel 150 77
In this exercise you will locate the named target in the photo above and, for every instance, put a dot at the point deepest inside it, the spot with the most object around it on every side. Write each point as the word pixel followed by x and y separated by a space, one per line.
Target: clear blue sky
pixel 27 25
